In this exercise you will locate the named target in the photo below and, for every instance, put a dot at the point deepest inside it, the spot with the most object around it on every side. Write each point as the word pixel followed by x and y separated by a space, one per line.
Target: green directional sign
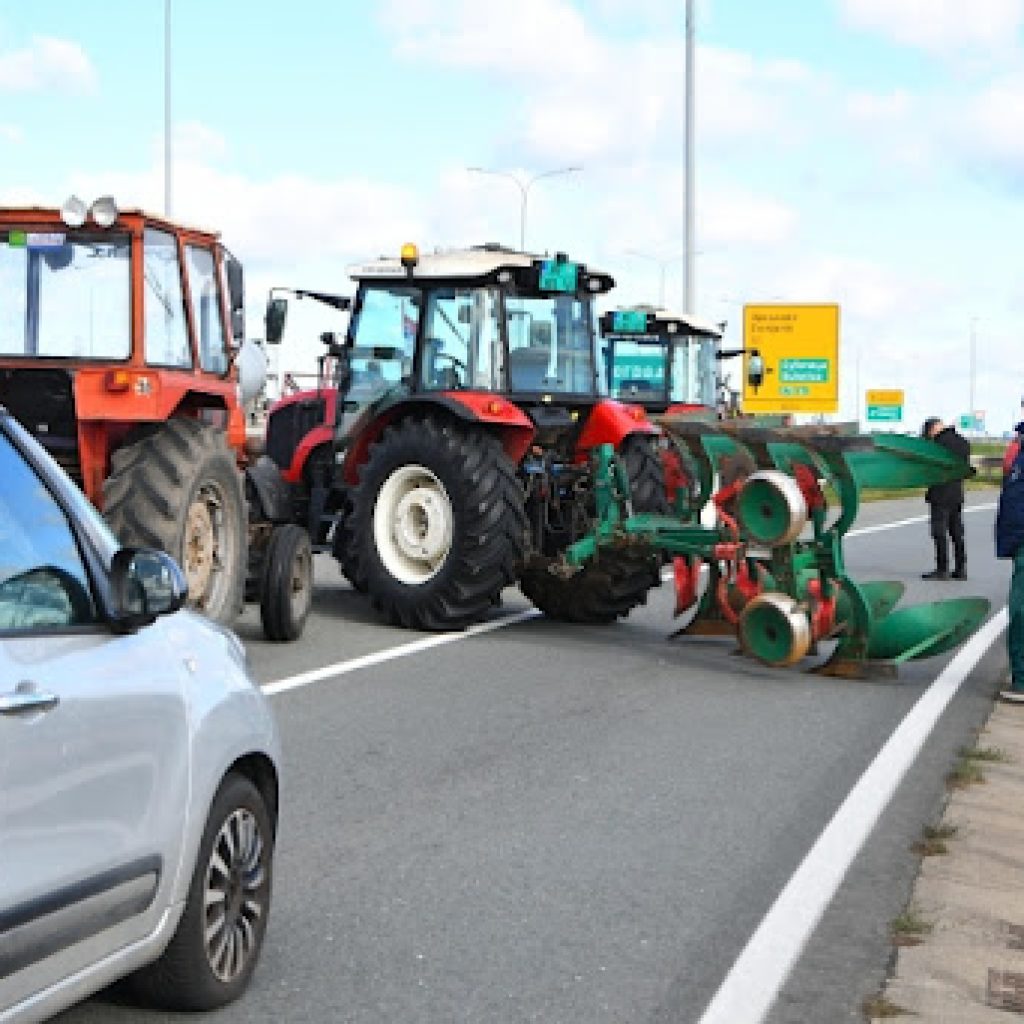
pixel 803 371
pixel 885 413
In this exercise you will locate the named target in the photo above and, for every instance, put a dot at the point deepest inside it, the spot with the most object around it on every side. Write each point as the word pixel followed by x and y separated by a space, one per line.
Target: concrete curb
pixel 969 967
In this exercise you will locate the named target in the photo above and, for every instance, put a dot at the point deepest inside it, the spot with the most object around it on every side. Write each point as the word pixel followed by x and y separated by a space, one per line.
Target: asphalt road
pixel 545 823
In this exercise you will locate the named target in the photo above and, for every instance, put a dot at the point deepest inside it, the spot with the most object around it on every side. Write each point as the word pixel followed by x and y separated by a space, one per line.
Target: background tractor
pixel 122 350
pixel 666 362
pixel 447 452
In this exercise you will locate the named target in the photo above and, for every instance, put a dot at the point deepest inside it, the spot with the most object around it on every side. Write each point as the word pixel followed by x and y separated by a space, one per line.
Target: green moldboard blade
pixel 898 460
pixel 949 622
pixel 881 597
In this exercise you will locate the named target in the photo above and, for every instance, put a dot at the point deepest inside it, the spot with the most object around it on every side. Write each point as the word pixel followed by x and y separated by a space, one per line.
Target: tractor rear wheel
pixel 178 488
pixel 606 589
pixel 646 473
pixel 437 527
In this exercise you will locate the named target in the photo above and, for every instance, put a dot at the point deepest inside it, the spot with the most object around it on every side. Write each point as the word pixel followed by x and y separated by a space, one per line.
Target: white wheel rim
pixel 412 524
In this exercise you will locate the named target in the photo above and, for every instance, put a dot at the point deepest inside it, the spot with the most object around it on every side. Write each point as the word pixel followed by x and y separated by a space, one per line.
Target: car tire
pixel 197 972
pixel 286 592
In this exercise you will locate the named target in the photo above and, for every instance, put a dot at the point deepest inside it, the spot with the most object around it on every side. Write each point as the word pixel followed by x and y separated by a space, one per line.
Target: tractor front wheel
pixel 178 488
pixel 437 526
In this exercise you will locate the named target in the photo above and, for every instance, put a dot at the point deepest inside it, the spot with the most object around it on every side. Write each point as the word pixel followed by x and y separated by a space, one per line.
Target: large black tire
pixel 605 589
pixel 613 585
pixel 286 592
pixel 438 526
pixel 341 545
pixel 199 971
pixel 642 456
pixel 178 489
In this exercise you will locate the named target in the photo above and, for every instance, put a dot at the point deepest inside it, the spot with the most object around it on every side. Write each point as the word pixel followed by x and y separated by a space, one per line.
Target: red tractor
pixel 447 453
pixel 122 351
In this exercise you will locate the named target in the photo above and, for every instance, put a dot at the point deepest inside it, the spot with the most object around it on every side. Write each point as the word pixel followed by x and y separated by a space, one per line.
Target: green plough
pixel 784 497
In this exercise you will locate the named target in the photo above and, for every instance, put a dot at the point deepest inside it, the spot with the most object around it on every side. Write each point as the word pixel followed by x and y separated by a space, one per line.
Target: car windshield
pixel 550 345
pixel 65 295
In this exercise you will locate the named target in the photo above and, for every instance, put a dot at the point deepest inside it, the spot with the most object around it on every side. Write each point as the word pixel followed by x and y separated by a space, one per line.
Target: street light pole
pixel 167 108
pixel 688 183
pixel 663 263
pixel 524 189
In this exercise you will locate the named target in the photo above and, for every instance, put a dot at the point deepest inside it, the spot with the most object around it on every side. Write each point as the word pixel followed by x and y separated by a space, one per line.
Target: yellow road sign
pixel 884 396
pixel 791 358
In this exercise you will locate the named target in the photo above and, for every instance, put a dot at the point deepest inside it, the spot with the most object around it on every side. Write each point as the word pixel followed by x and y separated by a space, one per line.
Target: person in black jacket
pixel 1010 544
pixel 946 505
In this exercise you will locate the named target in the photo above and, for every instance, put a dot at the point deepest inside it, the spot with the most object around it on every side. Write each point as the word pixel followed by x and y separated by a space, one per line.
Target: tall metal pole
pixel 970 410
pixel 688 252
pixel 167 108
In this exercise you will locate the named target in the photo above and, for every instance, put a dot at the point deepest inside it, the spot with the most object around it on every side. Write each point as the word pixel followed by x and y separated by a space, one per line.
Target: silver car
pixel 138 766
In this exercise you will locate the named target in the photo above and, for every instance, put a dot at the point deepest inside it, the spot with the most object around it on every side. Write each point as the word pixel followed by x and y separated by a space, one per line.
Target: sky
pixel 868 153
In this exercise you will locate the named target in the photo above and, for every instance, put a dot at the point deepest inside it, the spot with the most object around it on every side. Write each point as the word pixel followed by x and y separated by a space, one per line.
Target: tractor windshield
pixel 636 369
pixel 550 345
pixel 65 295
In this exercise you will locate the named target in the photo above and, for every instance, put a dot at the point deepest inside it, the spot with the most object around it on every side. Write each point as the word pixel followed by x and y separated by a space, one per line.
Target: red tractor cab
pixel 122 351
pixel 451 452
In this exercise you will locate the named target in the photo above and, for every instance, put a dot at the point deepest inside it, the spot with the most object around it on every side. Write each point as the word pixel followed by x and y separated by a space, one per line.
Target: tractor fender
pixel 292 460
pixel 611 422
pixel 268 493
pixel 492 412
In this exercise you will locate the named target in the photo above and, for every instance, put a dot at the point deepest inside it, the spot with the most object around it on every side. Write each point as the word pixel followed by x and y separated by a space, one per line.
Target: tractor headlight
pixel 73 212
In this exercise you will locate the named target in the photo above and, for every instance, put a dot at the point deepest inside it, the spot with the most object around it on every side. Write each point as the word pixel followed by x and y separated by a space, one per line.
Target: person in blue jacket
pixel 1010 544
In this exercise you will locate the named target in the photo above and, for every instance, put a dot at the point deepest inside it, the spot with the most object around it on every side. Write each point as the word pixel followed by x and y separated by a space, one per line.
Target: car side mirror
pixel 145 584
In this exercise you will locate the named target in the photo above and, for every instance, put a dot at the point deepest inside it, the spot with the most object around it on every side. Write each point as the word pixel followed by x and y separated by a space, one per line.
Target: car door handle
pixel 27 698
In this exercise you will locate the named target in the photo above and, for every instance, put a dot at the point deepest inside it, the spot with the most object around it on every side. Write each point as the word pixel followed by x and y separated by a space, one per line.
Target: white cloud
pixel 47 64
pixel 991 125
pixel 940 26
pixel 585 96
pixel 11 134
pixel 875 108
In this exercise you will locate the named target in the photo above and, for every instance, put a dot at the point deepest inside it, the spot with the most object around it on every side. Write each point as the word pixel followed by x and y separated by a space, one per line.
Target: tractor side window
pixel 164 304
pixel 684 371
pixel 207 317
pixel 549 345
pixel 460 338
pixel 383 332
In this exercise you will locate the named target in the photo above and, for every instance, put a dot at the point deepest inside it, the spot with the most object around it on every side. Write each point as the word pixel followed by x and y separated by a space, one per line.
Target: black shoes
pixel 959 574
pixel 936 574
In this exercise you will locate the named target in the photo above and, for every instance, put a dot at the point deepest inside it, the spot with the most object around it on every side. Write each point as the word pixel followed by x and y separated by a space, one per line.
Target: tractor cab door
pixel 461 340
pixel 382 348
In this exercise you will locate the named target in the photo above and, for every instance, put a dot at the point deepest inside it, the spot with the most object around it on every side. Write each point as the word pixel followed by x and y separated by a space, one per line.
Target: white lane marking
pixel 914 519
pixel 750 987
pixel 340 668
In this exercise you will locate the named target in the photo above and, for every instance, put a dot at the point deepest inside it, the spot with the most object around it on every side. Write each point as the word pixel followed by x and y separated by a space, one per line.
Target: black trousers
pixel 947 524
